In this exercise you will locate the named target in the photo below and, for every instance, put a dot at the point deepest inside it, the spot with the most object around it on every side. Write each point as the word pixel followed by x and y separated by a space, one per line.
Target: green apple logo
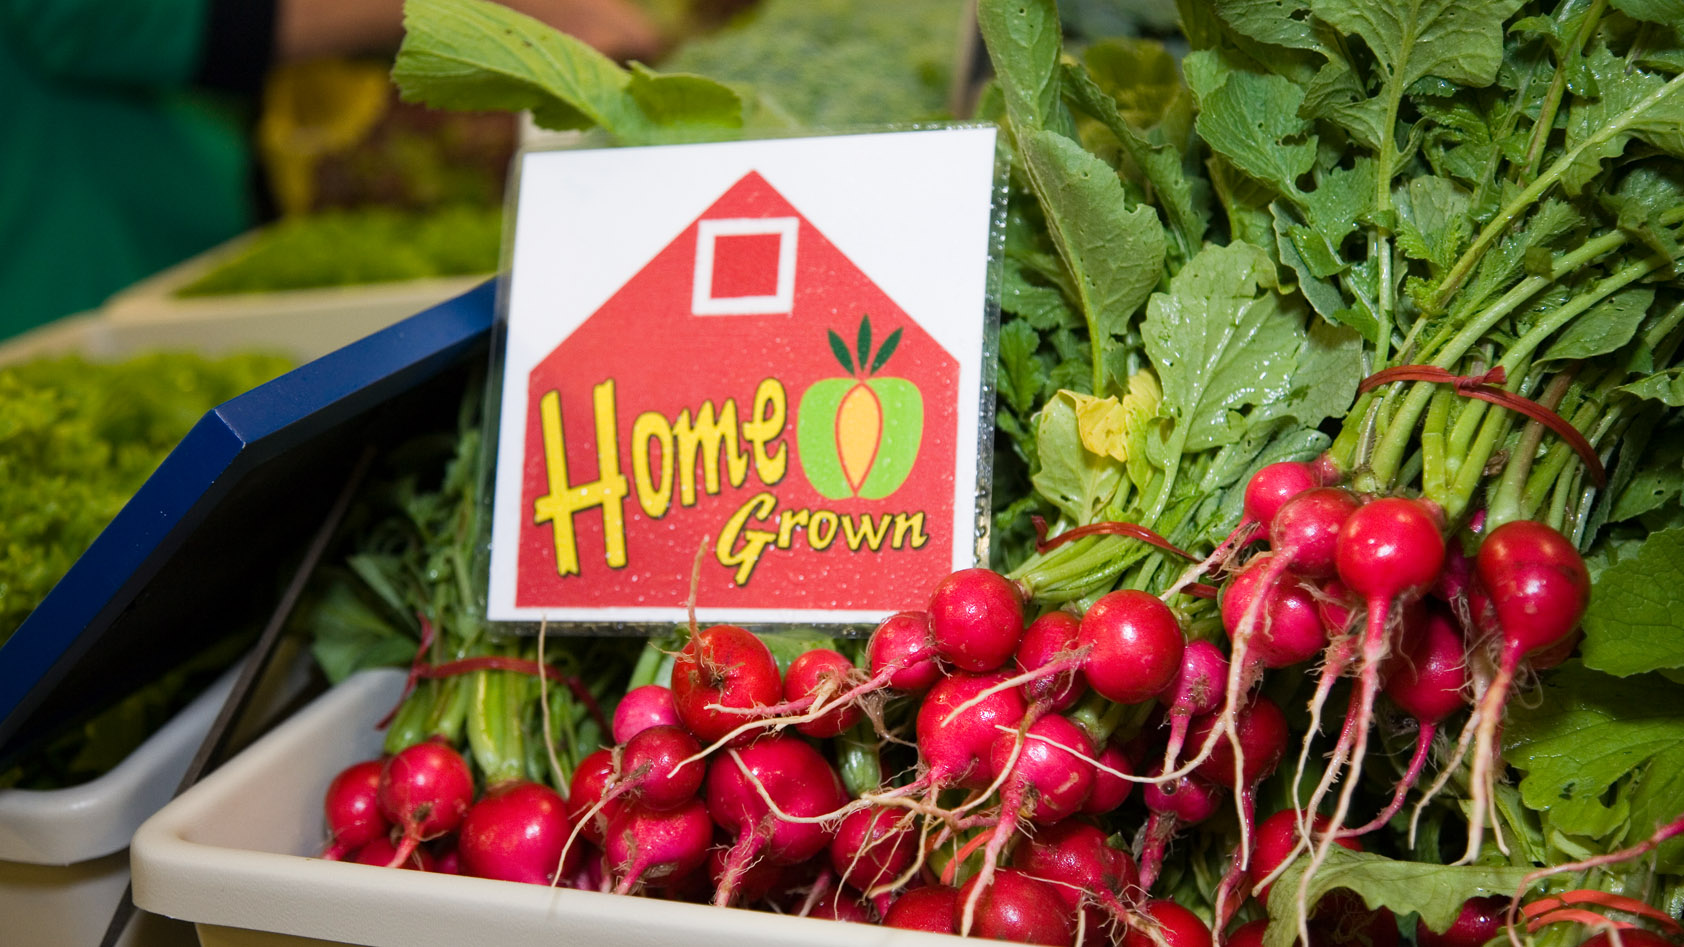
pixel 858 436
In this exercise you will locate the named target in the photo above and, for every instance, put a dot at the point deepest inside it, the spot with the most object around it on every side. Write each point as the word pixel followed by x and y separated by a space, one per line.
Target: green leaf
pixel 1587 731
pixel 839 348
pixel 1324 382
pixel 1666 387
pixel 1666 12
pixel 1221 339
pixel 1021 374
pixel 1161 164
pixel 1630 102
pixel 686 104
pixel 1076 480
pixel 1115 253
pixel 1633 623
pixel 1024 39
pixel 862 341
pixel 1341 197
pixel 1434 892
pixel 1280 22
pixel 1043 307
pixel 473 54
pixel 1252 120
pixel 1658 481
pixel 888 349
pixel 1455 40
pixel 1657 798
pixel 1433 221
pixel 1336 94
pixel 1606 327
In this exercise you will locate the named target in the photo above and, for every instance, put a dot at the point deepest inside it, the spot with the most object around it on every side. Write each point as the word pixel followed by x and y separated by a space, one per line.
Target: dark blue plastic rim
pixel 185 490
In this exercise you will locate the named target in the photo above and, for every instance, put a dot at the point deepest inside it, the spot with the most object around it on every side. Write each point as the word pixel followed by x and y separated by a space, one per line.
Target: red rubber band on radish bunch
pixel 352 807
pixel 768 796
pixel 425 790
pixel 1539 588
pixel 516 832
pixel 976 619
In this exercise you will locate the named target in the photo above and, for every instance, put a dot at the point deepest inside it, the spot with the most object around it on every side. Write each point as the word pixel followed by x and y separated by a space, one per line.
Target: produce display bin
pixel 232 856
pixel 63 858
pixel 304 323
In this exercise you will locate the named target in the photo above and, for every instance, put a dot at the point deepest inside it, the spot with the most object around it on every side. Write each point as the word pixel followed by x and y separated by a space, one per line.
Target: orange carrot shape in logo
pixel 858 436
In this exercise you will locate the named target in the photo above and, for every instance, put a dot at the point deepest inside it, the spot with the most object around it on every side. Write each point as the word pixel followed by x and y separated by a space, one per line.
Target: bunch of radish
pixel 1017 739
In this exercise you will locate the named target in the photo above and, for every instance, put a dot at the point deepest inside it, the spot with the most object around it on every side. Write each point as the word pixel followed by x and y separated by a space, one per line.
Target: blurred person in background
pixel 125 140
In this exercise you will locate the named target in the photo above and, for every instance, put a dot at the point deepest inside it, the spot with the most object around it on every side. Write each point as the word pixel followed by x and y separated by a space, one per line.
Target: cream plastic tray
pixel 231 856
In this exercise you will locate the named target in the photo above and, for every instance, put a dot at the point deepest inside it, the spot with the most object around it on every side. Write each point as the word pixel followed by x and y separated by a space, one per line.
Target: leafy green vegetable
pixel 359 247
pixel 78 438
pixel 1633 624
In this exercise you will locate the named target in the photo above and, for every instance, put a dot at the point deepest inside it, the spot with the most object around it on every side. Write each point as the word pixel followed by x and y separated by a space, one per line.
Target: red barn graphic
pixel 752 395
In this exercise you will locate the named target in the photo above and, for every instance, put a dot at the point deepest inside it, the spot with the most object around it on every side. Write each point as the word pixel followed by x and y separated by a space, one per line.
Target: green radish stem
pixel 1558 85
pixel 1505 501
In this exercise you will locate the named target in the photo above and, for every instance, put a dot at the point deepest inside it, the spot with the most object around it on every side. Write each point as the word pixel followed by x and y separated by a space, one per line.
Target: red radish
pixel 1078 861
pixel 425 790
pixel 1293 626
pixel 1539 588
pixel 930 908
pixel 353 812
pixel 723 667
pixel 1044 782
pixel 646 847
pixel 1341 919
pixel 1271 487
pixel 1197 689
pixel 1134 646
pixel 381 853
pixel 903 652
pixel 1265 493
pixel 1479 920
pixel 1189 800
pixel 446 859
pixel 976 618
pixel 1015 907
pixel 1109 789
pixel 591 781
pixel 957 752
pixel 649 770
pixel 516 832
pixel 1307 530
pixel 1249 934
pixel 1260 733
pixel 873 847
pixel 743 787
pixel 754 883
pixel 1177 927
pixel 1277 841
pixel 1390 549
pixel 841 905
pixel 643 707
pixel 1426 678
pixel 821 675
pixel 1052 637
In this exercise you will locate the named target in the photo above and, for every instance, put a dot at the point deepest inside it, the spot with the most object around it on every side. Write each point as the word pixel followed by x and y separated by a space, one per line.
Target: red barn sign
pixel 749 394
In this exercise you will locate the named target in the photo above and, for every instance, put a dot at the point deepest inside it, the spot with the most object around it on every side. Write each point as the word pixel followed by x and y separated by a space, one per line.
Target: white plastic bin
pixel 62 861
pixel 231 855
